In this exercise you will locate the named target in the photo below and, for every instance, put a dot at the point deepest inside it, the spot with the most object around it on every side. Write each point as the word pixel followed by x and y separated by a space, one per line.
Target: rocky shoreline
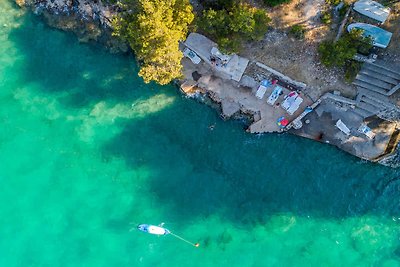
pixel 89 20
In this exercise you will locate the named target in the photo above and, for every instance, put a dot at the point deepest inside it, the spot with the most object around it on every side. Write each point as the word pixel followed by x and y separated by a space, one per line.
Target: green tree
pixel 276 2
pixel 339 53
pixel 298 31
pixel 231 27
pixel 153 29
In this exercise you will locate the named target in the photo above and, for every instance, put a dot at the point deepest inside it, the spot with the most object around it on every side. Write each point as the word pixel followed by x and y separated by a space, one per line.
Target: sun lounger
pixel 261 91
pixel 364 129
pixel 289 100
pixel 274 96
pixel 295 106
pixel 191 55
pixel 341 126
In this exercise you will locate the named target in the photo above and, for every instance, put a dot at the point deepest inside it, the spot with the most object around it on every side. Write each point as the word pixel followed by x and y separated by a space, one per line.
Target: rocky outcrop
pixel 90 20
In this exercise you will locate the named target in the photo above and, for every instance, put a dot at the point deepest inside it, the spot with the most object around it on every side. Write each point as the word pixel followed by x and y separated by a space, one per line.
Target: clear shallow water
pixel 87 148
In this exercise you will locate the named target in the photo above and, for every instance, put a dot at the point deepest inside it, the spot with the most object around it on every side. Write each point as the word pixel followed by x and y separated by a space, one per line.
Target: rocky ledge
pixel 89 20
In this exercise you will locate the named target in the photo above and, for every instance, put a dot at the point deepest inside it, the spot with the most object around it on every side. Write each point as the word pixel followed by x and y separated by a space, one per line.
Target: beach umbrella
pixel 284 122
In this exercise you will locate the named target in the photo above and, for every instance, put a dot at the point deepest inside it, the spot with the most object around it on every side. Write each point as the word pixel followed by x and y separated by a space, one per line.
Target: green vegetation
pixel 153 29
pixel 343 10
pixel 333 2
pixel 231 27
pixel 351 69
pixel 218 4
pixel 326 17
pixel 341 53
pixel 297 31
pixel 275 2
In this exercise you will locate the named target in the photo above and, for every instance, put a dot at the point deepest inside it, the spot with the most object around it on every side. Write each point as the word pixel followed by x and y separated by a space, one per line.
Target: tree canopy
pixel 339 53
pixel 153 29
pixel 230 27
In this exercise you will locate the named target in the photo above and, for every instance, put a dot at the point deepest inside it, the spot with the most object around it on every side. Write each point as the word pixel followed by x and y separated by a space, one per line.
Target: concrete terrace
pixel 235 95
pixel 321 127
pixel 371 107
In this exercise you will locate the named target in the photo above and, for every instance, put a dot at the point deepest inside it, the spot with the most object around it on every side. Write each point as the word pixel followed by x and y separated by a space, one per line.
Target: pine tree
pixel 154 30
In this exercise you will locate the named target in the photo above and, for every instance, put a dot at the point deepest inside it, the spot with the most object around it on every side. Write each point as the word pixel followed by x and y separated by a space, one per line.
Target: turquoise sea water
pixel 87 151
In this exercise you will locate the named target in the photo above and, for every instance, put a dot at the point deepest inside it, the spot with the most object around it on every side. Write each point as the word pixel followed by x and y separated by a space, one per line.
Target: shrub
pixel 341 53
pixel 326 17
pixel 343 10
pixel 233 26
pixel 218 4
pixel 275 2
pixel 297 31
pixel 333 2
pixel 352 67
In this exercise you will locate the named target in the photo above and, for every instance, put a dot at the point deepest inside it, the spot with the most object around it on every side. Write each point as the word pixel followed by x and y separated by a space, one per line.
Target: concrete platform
pixel 202 46
pixel 234 97
pixel 322 128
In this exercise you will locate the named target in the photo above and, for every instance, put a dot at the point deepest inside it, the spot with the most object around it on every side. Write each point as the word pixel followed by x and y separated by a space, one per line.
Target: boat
pixel 152 229
pixel 372 10
pixel 380 37
pixel 159 230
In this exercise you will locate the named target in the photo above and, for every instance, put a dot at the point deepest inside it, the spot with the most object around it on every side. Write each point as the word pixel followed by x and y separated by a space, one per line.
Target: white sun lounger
pixel 341 126
pixel 191 55
pixel 289 100
pixel 295 106
pixel 274 96
pixel 364 129
pixel 261 91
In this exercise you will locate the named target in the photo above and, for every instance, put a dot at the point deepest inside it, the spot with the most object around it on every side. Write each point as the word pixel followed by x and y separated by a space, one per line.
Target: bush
pixel 341 53
pixel 351 69
pixel 275 2
pixel 333 2
pixel 343 10
pixel 297 31
pixel 233 26
pixel 218 4
pixel 326 17
pixel 336 54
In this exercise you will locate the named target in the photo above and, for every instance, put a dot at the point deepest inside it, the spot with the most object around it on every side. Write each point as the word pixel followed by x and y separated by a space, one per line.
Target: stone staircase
pixel 370 103
pixel 378 79
pixel 375 83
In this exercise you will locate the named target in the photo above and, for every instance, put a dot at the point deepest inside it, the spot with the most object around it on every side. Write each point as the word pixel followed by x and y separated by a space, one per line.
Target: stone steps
pixel 378 106
pixel 368 107
pixel 381 99
pixel 370 87
pixel 377 75
pixel 373 81
pixel 363 113
pixel 382 70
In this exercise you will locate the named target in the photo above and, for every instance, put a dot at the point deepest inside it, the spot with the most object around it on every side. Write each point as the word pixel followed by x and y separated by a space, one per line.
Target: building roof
pixel 372 9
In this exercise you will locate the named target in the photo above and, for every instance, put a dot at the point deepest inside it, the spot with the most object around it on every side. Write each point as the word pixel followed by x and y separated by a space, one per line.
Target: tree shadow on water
pixel 78 74
pixel 203 171
pixel 197 169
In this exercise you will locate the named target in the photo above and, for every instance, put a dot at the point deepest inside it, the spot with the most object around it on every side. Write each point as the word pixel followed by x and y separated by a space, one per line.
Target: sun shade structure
pixel 274 96
pixel 380 37
pixel 342 127
pixel 282 122
pixel 191 55
pixel 372 10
